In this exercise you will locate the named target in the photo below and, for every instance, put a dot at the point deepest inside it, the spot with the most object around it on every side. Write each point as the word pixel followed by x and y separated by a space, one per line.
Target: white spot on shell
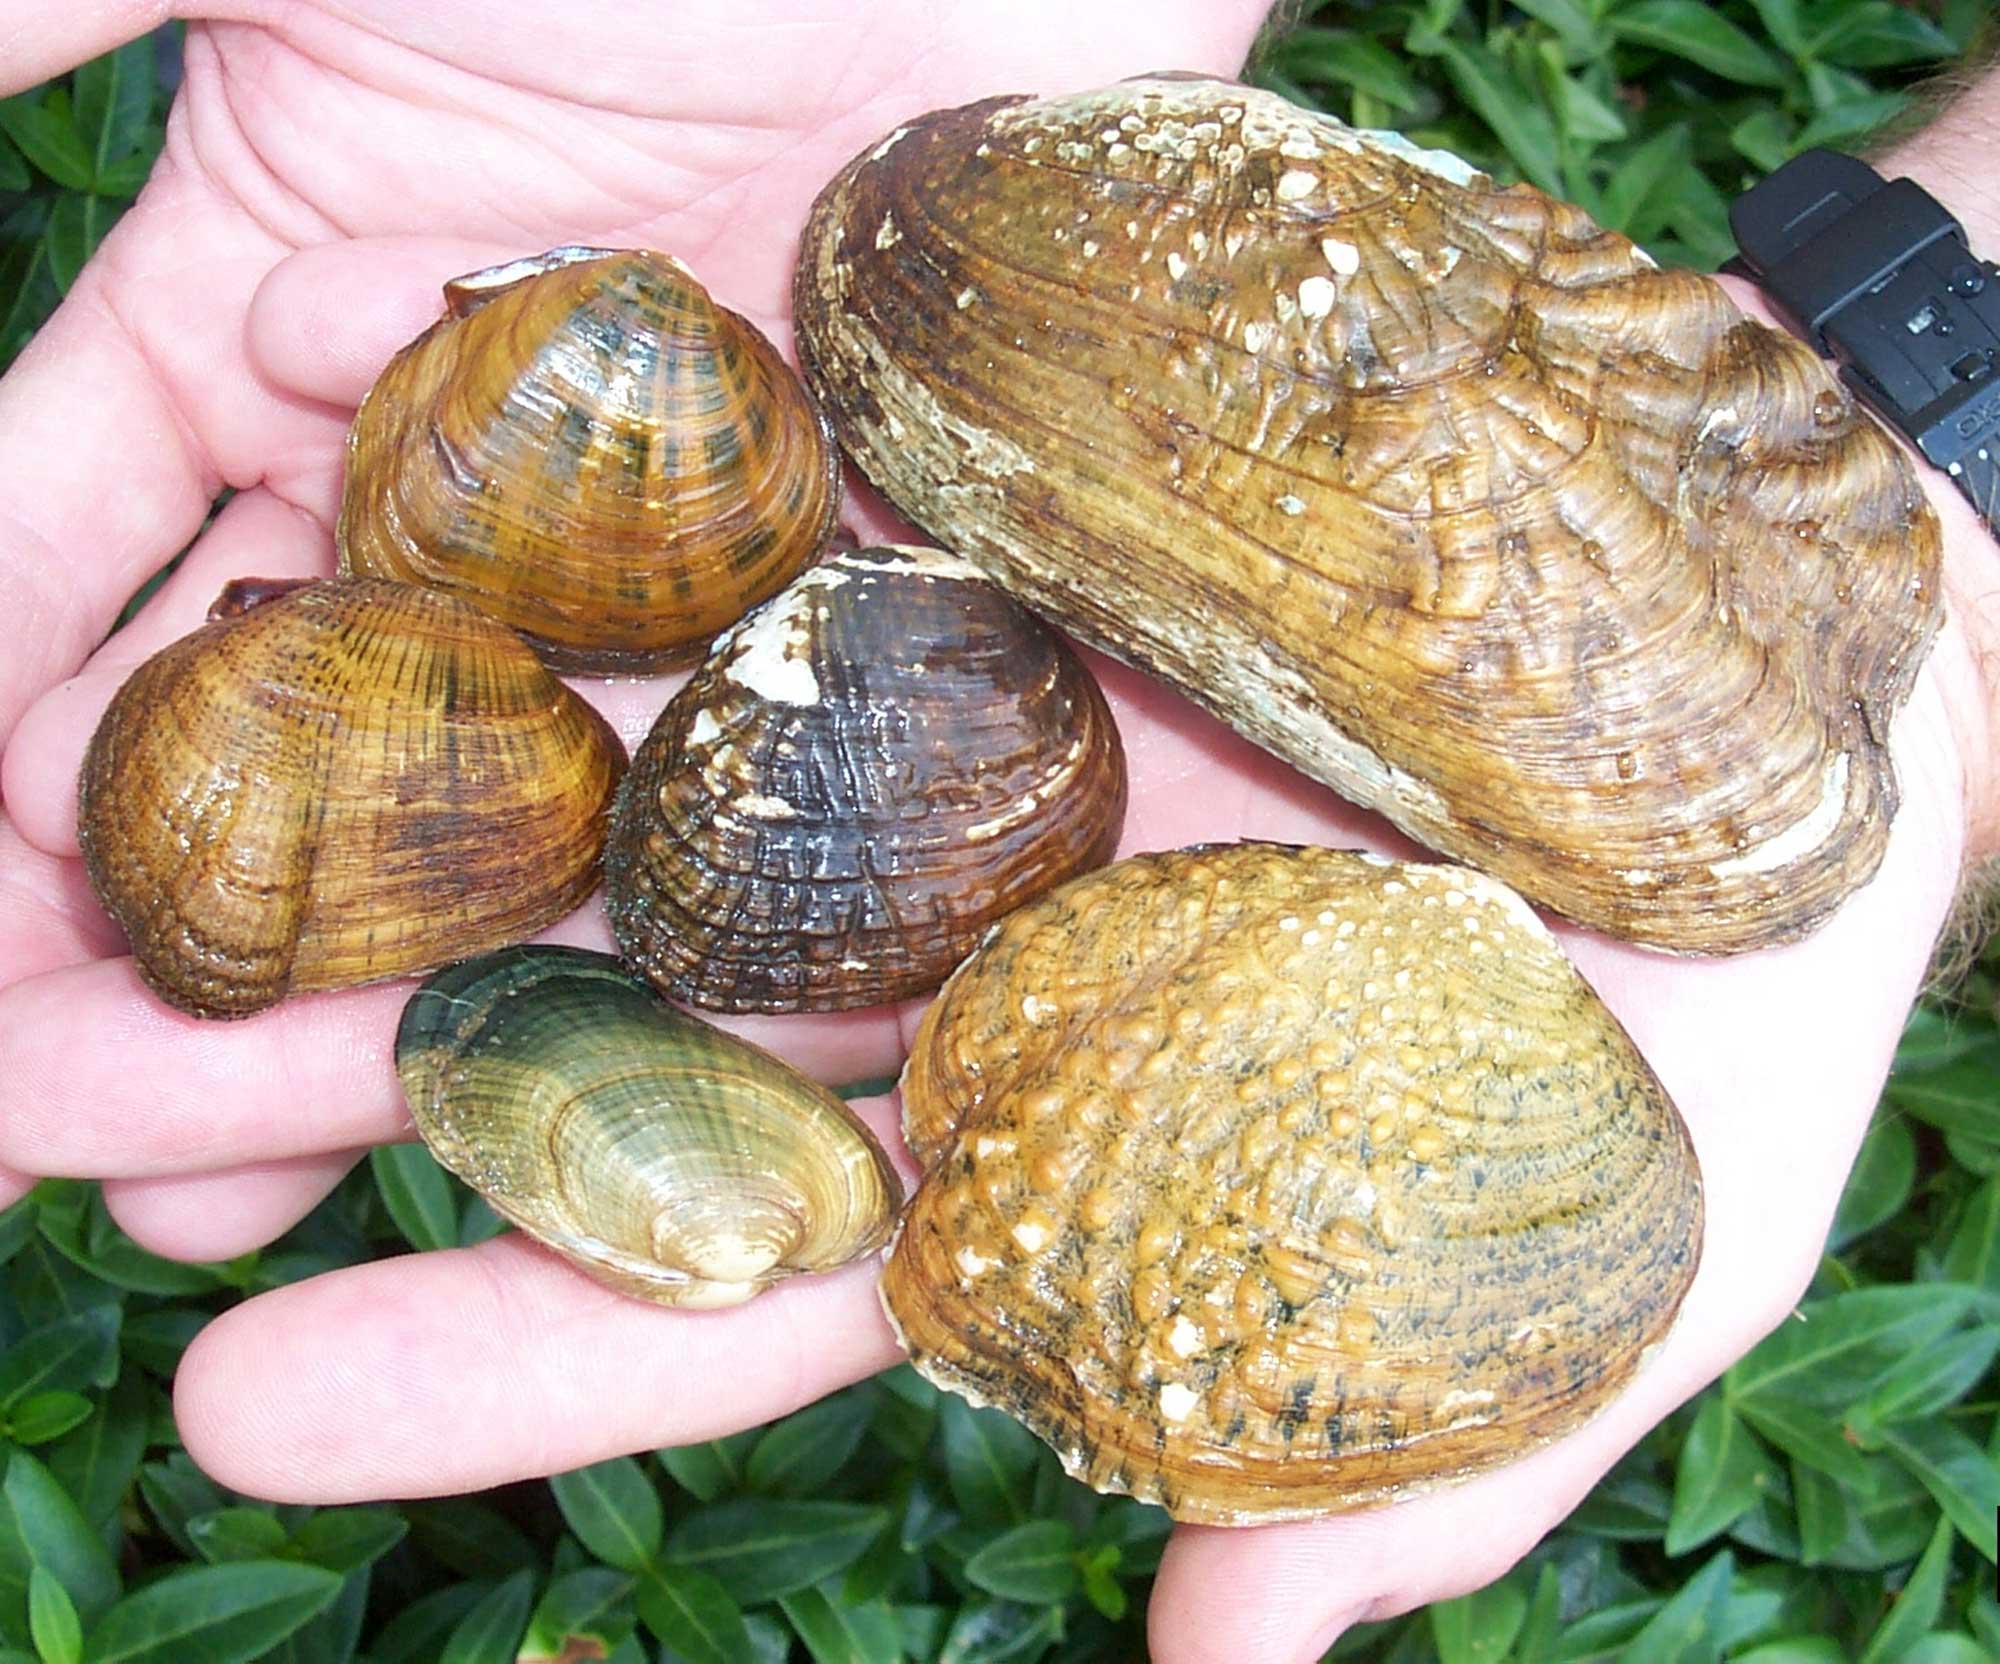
pixel 1185 1339
pixel 704 730
pixel 1177 1401
pixel 888 144
pixel 765 642
pixel 1288 504
pixel 886 234
pixel 966 297
pixel 1032 1235
pixel 1176 267
pixel 1316 296
pixel 1296 183
pixel 1254 336
pixel 1344 258
pixel 971 1262
pixel 764 808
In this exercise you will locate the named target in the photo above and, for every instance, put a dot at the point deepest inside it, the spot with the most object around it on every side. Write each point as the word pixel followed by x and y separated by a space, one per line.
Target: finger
pixel 256 535
pixel 453 1371
pixel 45 40
pixel 108 1082
pixel 48 917
pixel 13 1186
pixel 122 418
pixel 216 1216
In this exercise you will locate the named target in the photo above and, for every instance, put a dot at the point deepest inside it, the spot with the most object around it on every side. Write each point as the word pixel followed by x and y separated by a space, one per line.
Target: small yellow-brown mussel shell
pixel 862 777
pixel 665 1158
pixel 1267 1182
pixel 1440 491
pixel 350 781
pixel 592 450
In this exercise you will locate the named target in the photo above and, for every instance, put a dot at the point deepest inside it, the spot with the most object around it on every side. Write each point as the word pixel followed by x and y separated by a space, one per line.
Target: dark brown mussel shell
pixel 335 783
pixel 1440 491
pixel 863 776
pixel 588 447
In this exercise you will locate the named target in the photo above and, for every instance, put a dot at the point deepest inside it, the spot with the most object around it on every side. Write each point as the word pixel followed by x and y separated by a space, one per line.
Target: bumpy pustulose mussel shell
pixel 862 777
pixel 1440 491
pixel 664 1157
pixel 334 783
pixel 1267 1182
pixel 591 449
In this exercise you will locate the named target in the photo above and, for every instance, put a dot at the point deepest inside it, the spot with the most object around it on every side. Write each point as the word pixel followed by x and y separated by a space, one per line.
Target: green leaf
pixel 758 1549
pixel 1033 1563
pixel 234 1534
pixel 1877 35
pixel 470 1537
pixel 1782 23
pixel 74 1217
pixel 591 1604
pixel 707 1471
pixel 177 1491
pixel 53 1626
pixel 1628 1506
pixel 1585 118
pixel 837 1634
pixel 1688 29
pixel 1574 24
pixel 44 130
pixel 1765 137
pixel 995 1632
pixel 1830 1353
pixel 1480 1628
pixel 1688 1629
pixel 990 1461
pixel 418 1194
pixel 41 1526
pixel 614 1510
pixel 1961 1097
pixel 44 1416
pixel 416 1635
pixel 693 1614
pixel 1806 1434
pixel 17 1223
pixel 1513 111
pixel 1942 1648
pixel 96 1464
pixel 1722 1472
pixel 216 1614
pixel 805 1450
pixel 14 176
pixel 69 1354
pixel 1100 1583
pixel 1883 1174
pixel 1885 1523
pixel 1957 1473
pixel 155 1340
pixel 1352 60
pixel 491 1632
pixel 1796 1649
pixel 346 1539
pixel 114 98
pixel 1853 117
pixel 1917 1607
pixel 1973 1255
pixel 1924 1383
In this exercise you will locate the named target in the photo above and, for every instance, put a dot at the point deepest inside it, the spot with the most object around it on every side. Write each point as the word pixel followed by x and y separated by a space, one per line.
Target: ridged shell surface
pixel 1437 490
pixel 861 778
pixel 590 448
pixel 355 780
pixel 663 1157
pixel 1266 1182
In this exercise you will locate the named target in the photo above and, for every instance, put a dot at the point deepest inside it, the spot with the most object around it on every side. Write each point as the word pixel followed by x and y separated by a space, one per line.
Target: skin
pixel 327 166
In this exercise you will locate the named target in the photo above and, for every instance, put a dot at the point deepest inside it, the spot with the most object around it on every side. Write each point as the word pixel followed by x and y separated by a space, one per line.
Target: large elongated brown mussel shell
pixel 862 777
pixel 1437 490
pixel 352 781
pixel 660 1155
pixel 1266 1182
pixel 591 449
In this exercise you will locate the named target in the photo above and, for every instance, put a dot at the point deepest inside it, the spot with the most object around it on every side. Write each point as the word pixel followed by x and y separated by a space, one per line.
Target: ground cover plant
pixel 1833 1497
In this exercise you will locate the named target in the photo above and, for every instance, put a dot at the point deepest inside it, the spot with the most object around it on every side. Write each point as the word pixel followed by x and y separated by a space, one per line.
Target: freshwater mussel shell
pixel 663 1157
pixel 334 783
pixel 1437 490
pixel 1265 1182
pixel 860 779
pixel 590 448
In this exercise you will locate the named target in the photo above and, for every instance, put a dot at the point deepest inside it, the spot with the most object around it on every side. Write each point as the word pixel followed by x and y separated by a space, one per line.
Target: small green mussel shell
pixel 662 1156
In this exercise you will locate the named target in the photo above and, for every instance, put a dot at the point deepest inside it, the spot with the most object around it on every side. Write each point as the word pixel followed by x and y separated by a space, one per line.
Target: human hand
pixel 212 1138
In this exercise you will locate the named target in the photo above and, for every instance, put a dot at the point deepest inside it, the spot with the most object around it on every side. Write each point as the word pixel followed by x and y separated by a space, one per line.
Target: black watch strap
pixel 1876 274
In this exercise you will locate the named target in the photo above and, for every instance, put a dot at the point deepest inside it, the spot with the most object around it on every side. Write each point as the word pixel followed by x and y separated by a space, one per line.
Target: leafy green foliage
pixel 1832 1498
pixel 1652 114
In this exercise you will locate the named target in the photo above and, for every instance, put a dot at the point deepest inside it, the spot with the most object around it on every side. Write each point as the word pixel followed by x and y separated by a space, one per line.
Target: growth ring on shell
pixel 588 447
pixel 1439 491
pixel 1265 1182
pixel 663 1157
